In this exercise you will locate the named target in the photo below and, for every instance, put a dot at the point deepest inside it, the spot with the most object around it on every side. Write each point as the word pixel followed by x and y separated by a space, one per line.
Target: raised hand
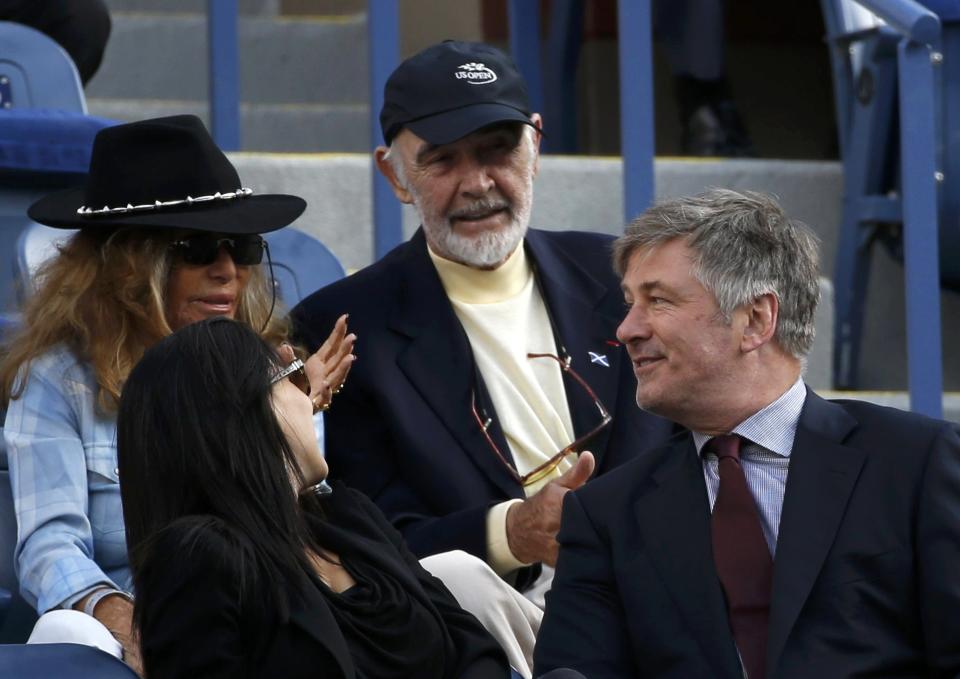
pixel 532 525
pixel 328 367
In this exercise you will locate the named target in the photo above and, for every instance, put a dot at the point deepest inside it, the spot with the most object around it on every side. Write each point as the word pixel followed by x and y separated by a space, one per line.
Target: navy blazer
pixel 402 430
pixel 866 575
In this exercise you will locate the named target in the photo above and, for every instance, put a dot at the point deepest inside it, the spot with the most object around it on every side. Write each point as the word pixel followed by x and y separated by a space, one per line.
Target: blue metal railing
pixel 383 36
pixel 636 105
pixel 914 21
pixel 865 121
pixel 523 17
pixel 224 66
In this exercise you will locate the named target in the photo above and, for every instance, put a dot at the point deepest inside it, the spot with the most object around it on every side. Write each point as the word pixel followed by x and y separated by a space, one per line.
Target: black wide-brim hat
pixel 164 173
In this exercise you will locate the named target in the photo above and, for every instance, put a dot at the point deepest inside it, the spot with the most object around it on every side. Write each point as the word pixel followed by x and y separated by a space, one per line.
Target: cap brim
pixel 449 126
pixel 252 214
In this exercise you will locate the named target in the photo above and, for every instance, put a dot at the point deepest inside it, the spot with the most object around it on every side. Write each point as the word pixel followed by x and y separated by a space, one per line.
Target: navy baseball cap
pixel 452 89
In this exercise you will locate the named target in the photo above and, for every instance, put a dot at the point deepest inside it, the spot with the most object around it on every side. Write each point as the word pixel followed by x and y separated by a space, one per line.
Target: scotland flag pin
pixel 600 359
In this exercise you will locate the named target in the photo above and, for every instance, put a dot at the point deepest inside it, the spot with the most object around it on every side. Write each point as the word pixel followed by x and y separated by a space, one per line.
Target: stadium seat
pixel 17 617
pixel 45 132
pixel 5 598
pixel 301 264
pixel 35 245
pixel 38 72
pixel 64 661
pixel 895 72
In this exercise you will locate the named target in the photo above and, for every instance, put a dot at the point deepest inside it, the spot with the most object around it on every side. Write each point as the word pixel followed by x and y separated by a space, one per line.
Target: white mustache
pixel 479 209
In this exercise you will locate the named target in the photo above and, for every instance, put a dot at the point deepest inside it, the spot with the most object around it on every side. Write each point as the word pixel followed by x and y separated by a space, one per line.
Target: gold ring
pixel 319 407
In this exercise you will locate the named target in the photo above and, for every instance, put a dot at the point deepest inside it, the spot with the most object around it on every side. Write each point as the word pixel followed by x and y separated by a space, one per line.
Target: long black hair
pixel 199 446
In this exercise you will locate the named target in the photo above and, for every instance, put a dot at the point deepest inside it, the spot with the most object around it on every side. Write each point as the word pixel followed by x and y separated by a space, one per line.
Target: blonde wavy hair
pixel 103 298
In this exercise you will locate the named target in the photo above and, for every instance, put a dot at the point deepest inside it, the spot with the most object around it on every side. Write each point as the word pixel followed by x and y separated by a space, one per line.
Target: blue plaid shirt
pixel 62 455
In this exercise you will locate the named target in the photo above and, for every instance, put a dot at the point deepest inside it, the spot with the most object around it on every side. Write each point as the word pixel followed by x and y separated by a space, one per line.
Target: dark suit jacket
pixel 866 574
pixel 207 622
pixel 402 431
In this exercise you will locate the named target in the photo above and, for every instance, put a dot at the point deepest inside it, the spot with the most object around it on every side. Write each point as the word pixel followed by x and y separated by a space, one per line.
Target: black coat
pixel 402 430
pixel 206 622
pixel 866 577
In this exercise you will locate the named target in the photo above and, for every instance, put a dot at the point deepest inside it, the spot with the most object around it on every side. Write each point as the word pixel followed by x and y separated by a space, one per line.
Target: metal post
pixel 636 105
pixel 383 35
pixel 918 130
pixel 224 64
pixel 524 20
pixel 560 76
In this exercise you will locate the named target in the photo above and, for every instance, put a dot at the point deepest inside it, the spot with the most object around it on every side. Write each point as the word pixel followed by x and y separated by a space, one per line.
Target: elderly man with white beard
pixel 487 364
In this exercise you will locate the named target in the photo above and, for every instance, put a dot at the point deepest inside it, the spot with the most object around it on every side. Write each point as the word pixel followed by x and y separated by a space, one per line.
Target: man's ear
pixel 386 169
pixel 537 121
pixel 761 322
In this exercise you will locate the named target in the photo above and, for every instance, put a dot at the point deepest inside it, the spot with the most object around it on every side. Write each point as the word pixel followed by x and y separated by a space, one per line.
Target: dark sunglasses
pixel 202 250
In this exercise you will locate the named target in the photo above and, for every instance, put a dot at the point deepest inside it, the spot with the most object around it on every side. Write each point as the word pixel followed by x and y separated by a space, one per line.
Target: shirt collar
pixel 773 427
pixel 483 286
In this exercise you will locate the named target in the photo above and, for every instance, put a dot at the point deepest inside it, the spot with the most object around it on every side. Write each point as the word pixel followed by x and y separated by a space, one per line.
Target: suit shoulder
pixel 370 279
pixel 892 424
pixel 367 295
pixel 579 238
pixel 584 250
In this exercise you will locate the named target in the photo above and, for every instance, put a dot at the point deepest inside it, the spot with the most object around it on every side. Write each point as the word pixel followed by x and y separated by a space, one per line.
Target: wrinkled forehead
pixel 670 260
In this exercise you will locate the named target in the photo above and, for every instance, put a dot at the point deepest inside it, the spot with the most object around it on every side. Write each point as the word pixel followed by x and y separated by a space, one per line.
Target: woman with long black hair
pixel 244 561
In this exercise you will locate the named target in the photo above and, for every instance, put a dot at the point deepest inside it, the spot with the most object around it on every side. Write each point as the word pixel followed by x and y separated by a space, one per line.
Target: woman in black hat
pixel 167 236
pixel 245 562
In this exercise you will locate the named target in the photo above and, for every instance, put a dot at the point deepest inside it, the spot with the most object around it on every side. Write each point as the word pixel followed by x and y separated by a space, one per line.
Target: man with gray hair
pixel 785 535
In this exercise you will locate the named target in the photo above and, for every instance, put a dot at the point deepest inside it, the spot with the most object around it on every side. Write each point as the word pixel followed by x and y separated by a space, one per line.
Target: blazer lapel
pixel 674 519
pixel 574 300
pixel 823 473
pixel 438 362
pixel 311 613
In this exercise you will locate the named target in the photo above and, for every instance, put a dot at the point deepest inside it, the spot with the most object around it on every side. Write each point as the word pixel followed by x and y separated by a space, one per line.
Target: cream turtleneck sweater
pixel 505 318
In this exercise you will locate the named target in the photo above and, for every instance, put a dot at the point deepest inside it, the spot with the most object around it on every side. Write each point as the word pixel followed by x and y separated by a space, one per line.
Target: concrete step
pixel 295 128
pixel 899 399
pixel 306 60
pixel 244 7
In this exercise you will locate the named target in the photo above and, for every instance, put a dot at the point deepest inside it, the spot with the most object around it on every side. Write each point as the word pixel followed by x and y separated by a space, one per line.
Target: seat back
pixel 17 617
pixel 37 72
pixel 8 532
pixel 45 134
pixel 301 264
pixel 37 243
pixel 65 661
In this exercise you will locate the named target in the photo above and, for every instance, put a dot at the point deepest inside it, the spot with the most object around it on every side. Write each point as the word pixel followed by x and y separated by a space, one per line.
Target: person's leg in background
pixel 692 33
